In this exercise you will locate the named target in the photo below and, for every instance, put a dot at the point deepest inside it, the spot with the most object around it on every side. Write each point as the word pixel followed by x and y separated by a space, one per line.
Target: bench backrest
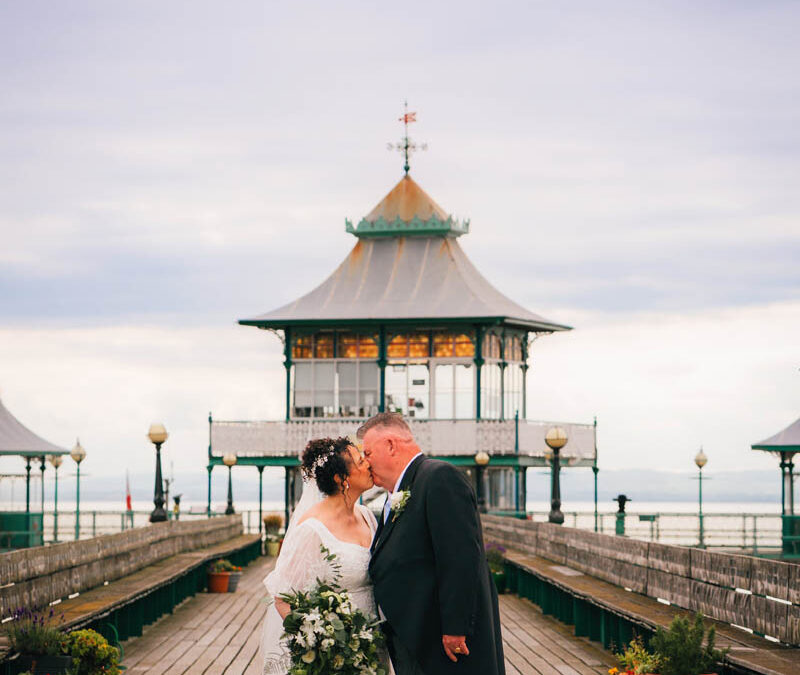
pixel 755 593
pixel 34 577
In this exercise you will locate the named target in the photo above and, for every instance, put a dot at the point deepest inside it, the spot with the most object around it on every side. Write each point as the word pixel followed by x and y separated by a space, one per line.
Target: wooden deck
pixel 218 634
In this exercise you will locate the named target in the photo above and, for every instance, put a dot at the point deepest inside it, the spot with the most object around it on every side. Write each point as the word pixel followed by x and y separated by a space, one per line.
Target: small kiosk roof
pixel 17 439
pixel 787 440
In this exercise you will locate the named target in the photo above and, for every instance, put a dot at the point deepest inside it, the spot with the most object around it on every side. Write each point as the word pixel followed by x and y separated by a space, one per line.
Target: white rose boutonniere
pixel 398 502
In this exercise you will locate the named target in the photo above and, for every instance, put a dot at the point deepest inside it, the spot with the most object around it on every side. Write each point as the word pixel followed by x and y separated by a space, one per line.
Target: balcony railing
pixel 438 438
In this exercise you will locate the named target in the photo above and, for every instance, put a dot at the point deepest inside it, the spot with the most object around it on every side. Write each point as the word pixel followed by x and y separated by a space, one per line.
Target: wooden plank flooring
pixel 216 634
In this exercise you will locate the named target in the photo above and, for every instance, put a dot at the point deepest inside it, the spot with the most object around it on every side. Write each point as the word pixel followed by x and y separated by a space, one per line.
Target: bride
pixel 328 515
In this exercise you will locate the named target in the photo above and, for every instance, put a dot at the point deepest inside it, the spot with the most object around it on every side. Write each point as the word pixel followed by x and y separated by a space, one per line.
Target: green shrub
pixel 222 565
pixel 91 654
pixel 682 650
pixel 637 659
pixel 496 556
pixel 32 631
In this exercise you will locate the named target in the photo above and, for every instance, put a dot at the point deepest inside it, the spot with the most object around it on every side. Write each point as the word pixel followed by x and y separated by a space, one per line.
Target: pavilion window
pixel 408 389
pixel 455 391
pixel 447 345
pixel 414 345
pixel 491 391
pixel 513 390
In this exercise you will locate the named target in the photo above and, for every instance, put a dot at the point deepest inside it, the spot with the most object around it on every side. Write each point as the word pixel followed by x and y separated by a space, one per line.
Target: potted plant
pixel 273 544
pixel 496 557
pixel 687 648
pixel 233 580
pixel 637 660
pixel 218 576
pixel 91 654
pixel 272 523
pixel 38 642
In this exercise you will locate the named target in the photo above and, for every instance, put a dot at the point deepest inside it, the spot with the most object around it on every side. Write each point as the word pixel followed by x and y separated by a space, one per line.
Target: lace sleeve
pixel 300 562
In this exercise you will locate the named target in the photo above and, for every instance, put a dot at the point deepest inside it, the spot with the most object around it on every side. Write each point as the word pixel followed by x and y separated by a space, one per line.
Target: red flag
pixel 409 117
pixel 128 493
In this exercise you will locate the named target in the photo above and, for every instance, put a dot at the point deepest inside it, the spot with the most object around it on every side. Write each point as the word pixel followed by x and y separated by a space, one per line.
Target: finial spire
pixel 406 145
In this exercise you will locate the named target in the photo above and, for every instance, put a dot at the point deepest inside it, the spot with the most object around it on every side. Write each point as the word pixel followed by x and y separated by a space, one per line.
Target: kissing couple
pixel 420 566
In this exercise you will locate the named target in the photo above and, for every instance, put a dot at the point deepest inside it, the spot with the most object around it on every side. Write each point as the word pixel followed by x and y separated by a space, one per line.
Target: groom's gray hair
pixel 385 420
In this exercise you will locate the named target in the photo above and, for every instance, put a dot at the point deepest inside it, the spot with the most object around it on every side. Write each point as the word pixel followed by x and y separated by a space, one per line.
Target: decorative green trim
pixel 287 364
pixel 478 359
pixel 411 322
pixel 416 226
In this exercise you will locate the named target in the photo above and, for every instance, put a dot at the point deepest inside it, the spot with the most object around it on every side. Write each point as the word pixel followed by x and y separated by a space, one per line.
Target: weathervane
pixel 406 145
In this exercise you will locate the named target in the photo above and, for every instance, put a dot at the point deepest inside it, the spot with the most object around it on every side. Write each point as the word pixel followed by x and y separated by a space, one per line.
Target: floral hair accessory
pixel 322 460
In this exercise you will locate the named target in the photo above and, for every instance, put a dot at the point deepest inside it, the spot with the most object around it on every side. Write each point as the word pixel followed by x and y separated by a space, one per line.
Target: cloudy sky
pixel 630 169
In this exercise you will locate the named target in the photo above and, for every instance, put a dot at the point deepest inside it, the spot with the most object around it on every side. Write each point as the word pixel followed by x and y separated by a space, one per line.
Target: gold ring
pixel 457 650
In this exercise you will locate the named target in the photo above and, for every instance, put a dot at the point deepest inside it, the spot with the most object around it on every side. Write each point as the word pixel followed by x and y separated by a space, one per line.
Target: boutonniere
pixel 398 502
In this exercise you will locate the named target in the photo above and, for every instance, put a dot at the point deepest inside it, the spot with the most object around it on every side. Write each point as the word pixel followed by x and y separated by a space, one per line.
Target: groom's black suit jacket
pixel 430 573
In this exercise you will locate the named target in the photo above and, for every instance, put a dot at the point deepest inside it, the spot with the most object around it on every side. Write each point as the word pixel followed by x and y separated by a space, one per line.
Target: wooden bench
pixel 612 588
pixel 118 583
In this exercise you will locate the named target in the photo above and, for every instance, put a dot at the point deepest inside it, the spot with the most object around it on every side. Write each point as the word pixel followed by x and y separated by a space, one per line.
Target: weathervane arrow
pixel 406 144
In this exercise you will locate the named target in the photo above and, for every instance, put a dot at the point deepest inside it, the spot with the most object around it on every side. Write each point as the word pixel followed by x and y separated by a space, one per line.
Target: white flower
pixel 308 657
pixel 338 661
pixel 326 644
pixel 366 634
pixel 397 498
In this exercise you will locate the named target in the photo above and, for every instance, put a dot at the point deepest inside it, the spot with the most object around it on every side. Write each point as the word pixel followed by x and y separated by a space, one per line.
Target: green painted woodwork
pixel 414 227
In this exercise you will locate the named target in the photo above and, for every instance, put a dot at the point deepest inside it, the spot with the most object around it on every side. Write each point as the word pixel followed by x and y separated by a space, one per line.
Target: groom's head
pixel 388 445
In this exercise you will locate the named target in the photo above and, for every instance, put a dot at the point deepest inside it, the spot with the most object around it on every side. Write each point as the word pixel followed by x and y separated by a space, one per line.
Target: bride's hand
pixel 282 607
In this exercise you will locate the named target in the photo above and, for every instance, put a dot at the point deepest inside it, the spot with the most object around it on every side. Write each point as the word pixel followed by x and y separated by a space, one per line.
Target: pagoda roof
pixel 787 440
pixel 407 267
pixel 404 279
pixel 17 439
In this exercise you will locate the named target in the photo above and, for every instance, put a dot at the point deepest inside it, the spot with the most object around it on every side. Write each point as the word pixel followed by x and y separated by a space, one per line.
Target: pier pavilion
pixel 24 529
pixel 407 324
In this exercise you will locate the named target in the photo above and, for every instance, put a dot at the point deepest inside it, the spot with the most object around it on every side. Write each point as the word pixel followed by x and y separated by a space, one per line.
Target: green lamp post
pixel 481 460
pixel 701 460
pixel 56 461
pixel 158 435
pixel 556 438
pixel 229 460
pixel 78 454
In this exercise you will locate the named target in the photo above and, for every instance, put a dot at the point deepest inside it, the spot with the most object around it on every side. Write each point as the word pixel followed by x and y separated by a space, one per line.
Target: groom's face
pixel 377 450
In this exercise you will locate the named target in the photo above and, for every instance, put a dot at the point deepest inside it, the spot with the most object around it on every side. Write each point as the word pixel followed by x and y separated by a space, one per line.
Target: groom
pixel 432 582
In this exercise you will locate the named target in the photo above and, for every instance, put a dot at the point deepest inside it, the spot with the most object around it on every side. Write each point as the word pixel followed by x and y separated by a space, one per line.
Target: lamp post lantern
pixel 158 435
pixel 78 454
pixel 701 460
pixel 481 460
pixel 229 459
pixel 56 461
pixel 556 438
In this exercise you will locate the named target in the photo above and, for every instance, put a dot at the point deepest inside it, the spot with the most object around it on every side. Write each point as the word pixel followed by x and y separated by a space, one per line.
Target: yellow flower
pixel 309 656
pixel 613 671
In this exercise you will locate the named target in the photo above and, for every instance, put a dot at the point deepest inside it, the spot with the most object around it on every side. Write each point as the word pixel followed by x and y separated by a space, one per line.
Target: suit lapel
pixel 383 532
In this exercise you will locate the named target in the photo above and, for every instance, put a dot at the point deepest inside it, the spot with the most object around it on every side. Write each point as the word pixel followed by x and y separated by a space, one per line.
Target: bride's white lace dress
pixel 298 567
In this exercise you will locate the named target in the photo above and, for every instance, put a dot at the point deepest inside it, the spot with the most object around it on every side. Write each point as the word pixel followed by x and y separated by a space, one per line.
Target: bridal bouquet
pixel 325 633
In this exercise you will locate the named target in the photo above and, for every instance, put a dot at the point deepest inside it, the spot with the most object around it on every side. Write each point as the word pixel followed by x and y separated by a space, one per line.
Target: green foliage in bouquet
pixel 682 650
pixel 91 654
pixel 636 659
pixel 326 634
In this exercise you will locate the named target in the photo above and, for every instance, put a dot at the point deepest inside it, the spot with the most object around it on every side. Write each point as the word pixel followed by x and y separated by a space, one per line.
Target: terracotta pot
pixel 218 582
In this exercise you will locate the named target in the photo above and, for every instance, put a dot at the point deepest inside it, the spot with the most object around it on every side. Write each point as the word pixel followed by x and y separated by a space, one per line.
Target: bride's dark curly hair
pixel 324 459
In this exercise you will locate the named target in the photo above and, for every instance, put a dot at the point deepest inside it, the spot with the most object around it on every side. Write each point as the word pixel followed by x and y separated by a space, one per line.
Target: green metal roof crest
pixel 398 227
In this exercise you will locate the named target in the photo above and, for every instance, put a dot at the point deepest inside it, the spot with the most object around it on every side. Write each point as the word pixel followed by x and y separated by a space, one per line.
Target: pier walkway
pixel 216 634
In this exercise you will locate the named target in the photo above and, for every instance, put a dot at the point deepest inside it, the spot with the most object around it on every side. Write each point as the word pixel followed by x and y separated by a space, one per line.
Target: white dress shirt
pixel 388 505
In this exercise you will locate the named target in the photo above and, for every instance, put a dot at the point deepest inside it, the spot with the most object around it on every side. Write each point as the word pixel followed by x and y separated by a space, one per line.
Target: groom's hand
pixel 455 646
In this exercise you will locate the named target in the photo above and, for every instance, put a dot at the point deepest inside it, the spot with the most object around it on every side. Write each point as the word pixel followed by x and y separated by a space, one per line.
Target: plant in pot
pixel 219 572
pixel 687 648
pixel 637 660
pixel 233 580
pixel 496 557
pixel 38 642
pixel 272 523
pixel 91 654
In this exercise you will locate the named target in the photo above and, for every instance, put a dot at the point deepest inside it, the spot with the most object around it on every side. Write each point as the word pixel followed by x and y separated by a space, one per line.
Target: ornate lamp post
pixel 481 460
pixel 158 435
pixel 229 459
pixel 556 438
pixel 56 461
pixel 78 454
pixel 701 460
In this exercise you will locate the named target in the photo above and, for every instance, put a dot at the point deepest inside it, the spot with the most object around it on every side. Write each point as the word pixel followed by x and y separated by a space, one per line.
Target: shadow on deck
pixel 218 634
